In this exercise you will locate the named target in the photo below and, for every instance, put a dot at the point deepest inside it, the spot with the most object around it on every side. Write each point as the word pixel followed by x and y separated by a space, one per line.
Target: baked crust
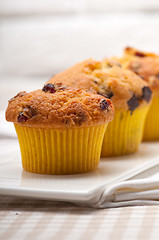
pixel 144 64
pixel 106 78
pixel 63 108
pixel 79 75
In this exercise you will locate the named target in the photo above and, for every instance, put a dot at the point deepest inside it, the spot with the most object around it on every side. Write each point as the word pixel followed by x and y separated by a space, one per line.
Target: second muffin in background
pixel 60 130
pixel 130 95
pixel 146 65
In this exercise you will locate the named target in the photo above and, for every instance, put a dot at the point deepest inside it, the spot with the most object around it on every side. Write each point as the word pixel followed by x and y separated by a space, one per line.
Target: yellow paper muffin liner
pixel 151 128
pixel 55 151
pixel 124 133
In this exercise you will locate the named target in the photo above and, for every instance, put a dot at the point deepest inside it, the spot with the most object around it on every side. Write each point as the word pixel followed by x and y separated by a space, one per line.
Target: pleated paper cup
pixel 151 128
pixel 124 133
pixel 65 151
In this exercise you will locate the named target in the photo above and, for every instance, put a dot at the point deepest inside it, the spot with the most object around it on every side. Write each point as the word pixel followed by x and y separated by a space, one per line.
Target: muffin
pixel 131 97
pixel 60 130
pixel 146 65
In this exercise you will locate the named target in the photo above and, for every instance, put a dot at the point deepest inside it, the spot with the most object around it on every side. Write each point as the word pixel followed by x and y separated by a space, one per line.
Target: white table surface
pixel 23 219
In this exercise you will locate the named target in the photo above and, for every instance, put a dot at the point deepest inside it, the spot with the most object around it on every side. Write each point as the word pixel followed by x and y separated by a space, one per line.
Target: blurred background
pixel 39 38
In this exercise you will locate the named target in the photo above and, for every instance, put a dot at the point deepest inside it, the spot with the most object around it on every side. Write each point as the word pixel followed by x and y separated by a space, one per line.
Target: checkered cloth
pixel 23 219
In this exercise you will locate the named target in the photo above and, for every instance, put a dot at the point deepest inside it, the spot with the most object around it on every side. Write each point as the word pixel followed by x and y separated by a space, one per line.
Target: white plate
pixel 82 188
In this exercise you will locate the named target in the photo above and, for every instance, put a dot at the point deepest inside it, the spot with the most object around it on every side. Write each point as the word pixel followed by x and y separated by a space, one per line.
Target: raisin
pixel 29 111
pixel 80 118
pixel 133 103
pixel 146 93
pixel 49 88
pixel 22 117
pixel 139 54
pixel 104 105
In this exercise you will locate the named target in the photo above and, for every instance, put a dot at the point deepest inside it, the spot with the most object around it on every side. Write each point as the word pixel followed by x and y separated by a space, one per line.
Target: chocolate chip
pixel 110 95
pixel 106 95
pixel 22 117
pixel 146 93
pixel 20 94
pixel 49 88
pixel 157 75
pixel 104 105
pixel 133 103
pixel 139 54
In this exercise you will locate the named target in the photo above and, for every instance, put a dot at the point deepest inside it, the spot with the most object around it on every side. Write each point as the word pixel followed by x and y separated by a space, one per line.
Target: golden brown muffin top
pixel 56 106
pixel 144 64
pixel 125 88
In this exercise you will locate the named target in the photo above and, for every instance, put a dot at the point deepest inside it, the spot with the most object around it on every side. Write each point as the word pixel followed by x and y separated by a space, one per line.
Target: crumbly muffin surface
pixel 122 86
pixel 146 65
pixel 58 106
